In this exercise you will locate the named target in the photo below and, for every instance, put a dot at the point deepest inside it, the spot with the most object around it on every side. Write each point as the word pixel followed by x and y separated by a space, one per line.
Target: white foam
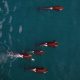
pixel 20 29
pixel 15 56
pixel 10 19
pixel 0 34
pixel 0 26
pixel 11 28
pixel 6 5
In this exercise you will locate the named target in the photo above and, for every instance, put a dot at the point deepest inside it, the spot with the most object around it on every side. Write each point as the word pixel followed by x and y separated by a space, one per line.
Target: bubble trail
pixel 14 55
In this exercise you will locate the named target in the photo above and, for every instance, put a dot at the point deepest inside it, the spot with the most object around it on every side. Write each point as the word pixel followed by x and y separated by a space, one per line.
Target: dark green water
pixel 22 27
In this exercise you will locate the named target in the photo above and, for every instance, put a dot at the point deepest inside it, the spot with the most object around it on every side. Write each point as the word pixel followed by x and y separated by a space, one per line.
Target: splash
pixel 7 55
pixel 17 55
pixel 14 55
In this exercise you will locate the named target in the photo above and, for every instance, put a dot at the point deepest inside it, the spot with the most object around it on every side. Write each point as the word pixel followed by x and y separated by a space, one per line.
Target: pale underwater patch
pixel 0 34
pixel 20 29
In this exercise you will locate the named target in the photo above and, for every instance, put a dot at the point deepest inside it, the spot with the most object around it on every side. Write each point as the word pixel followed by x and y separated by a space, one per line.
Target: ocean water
pixel 22 26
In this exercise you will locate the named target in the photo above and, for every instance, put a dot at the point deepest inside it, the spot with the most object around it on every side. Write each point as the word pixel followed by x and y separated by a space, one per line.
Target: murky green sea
pixel 22 26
